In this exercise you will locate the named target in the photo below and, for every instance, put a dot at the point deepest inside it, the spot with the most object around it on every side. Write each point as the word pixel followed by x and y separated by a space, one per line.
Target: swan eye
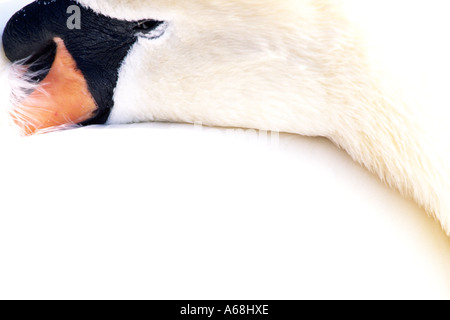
pixel 150 29
pixel 146 25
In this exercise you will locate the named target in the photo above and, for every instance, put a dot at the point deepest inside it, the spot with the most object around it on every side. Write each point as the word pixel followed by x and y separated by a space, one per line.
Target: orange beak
pixel 62 97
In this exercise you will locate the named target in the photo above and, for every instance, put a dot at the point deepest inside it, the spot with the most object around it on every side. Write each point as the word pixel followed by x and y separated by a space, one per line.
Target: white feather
pixel 364 74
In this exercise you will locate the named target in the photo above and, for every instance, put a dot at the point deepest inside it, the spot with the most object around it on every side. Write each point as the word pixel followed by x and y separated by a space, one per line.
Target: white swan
pixel 362 73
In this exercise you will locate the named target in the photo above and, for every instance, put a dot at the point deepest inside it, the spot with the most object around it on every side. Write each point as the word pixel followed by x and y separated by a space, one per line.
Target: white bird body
pixel 365 74
pixel 136 211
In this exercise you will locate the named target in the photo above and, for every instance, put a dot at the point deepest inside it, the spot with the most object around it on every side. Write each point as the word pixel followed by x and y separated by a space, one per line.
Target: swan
pixel 364 74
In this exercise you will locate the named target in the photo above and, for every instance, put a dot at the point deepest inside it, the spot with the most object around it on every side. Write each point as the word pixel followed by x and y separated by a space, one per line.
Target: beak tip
pixel 62 98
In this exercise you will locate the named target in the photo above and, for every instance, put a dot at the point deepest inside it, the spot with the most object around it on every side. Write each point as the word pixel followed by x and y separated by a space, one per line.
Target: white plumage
pixel 364 74
pixel 160 203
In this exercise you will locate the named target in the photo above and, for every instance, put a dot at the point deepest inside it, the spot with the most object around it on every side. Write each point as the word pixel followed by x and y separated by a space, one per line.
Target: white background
pixel 165 211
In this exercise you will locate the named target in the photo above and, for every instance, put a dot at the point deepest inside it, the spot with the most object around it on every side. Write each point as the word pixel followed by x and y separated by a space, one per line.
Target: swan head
pixel 234 64
pixel 67 58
